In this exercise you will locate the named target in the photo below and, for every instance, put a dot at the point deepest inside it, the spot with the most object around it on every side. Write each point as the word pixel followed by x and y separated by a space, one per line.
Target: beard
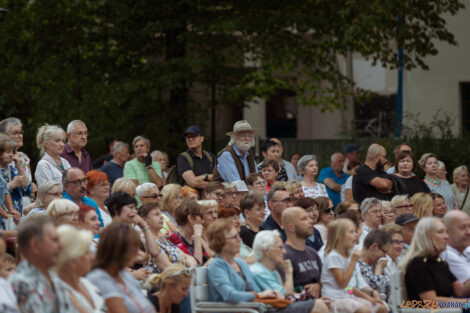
pixel 243 145
pixel 380 166
pixel 303 234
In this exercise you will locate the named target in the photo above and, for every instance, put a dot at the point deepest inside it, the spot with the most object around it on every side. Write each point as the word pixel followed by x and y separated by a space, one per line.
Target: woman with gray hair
pixel 460 187
pixel 48 192
pixel 308 167
pixel 50 140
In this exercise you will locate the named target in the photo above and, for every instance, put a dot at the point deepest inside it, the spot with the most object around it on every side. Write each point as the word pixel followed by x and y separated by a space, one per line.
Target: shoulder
pixel 99 277
pixel 90 202
pixel 65 163
pixel 326 171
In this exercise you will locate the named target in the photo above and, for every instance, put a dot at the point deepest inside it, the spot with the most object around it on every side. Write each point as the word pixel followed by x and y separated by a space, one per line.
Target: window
pixel 281 115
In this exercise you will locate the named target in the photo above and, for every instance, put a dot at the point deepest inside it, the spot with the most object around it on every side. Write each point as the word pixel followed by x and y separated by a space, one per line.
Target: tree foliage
pixel 153 67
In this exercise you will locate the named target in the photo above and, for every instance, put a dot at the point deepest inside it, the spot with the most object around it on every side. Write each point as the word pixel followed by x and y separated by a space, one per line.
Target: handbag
pixel 275 303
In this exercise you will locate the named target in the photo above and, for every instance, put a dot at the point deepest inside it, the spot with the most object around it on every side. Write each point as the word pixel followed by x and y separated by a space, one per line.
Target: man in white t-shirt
pixel 458 227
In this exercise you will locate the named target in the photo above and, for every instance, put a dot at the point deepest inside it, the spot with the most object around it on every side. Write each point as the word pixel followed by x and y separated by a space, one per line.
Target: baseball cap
pixel 405 218
pixel 193 129
pixel 352 147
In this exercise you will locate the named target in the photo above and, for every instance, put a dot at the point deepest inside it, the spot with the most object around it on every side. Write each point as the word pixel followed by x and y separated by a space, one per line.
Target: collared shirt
pixel 48 170
pixel 134 169
pixel 69 155
pixel 113 170
pixel 328 172
pixel 271 224
pixel 458 262
pixel 200 165
pixel 87 201
pixel 36 294
pixel 227 168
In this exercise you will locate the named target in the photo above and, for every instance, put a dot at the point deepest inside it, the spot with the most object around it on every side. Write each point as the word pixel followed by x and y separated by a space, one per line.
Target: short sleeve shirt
pixel 266 279
pixel 361 184
pixel 330 287
pixel 201 166
pixel 459 264
pixel 134 169
pixel 306 266
pixel 328 172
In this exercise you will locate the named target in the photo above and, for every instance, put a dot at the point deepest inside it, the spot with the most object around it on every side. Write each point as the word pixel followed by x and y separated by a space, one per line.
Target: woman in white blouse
pixel 308 167
pixel 50 140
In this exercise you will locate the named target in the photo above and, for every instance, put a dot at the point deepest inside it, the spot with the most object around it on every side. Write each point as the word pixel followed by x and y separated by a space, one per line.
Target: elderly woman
pixel 48 192
pixel 388 212
pixel 257 184
pixel 401 204
pixel 439 208
pixel 98 189
pixel 230 196
pixel 252 207
pixel 125 185
pixel 269 169
pixel 75 261
pixel 311 207
pixel 230 279
pixel 394 251
pixel 63 211
pixel 50 140
pixel 118 247
pixel 210 211
pixel 430 165
pixel 326 215
pixel 162 159
pixel 17 173
pixel 308 166
pixel 405 166
pixel 271 150
pixel 427 276
pixel 422 205
pixel 88 220
pixel 460 188
pixel 295 190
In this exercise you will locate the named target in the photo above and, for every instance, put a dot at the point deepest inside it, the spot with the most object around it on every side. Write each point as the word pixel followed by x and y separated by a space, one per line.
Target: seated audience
pixel 118 248
pixel 278 200
pixel 88 220
pixel 270 170
pixel 172 197
pixel 98 189
pixel 422 204
pixel 388 212
pixel 460 188
pixel 427 277
pixel 252 207
pixel 394 251
pixel 257 184
pixel 326 215
pixel 125 185
pixel 346 206
pixel 214 191
pixel 233 214
pixel 271 151
pixel 311 207
pixel 308 167
pixel 295 190
pixel 75 261
pixel 190 193
pixel 63 211
pixel 371 211
pixel 401 204
pixel 148 193
pixel 48 192
pixel 439 208
pixel 408 223
pixel 406 166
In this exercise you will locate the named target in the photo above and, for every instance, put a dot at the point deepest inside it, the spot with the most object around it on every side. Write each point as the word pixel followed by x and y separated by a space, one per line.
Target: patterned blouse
pixel 381 283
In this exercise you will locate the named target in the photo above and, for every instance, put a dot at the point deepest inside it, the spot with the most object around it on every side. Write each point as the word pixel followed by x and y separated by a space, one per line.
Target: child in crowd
pixel 339 269
pixel 7 297
pixel 7 265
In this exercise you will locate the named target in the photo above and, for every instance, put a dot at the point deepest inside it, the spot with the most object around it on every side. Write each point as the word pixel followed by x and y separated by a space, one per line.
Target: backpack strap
pixel 188 158
pixel 209 157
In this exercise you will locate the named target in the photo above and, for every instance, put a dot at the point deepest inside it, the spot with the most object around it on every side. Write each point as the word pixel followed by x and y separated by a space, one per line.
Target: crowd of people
pixel 123 233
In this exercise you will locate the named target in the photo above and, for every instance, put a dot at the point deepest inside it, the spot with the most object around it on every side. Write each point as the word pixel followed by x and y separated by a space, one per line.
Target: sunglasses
pixel 153 197
pixel 329 210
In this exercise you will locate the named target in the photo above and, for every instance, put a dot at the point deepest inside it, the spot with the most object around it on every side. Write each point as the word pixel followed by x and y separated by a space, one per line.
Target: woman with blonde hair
pixel 295 190
pixel 50 140
pixel 125 185
pixel 422 204
pixel 460 187
pixel 426 275
pixel 63 211
pixel 173 285
pixel 75 261
pixel 172 197
pixel 48 192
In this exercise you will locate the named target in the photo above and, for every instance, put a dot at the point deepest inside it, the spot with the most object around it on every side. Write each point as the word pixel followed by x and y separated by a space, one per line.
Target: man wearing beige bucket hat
pixel 236 162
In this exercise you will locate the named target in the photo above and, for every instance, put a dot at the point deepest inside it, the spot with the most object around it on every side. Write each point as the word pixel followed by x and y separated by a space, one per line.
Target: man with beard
pixel 370 179
pixel 305 261
pixel 236 162
pixel 75 184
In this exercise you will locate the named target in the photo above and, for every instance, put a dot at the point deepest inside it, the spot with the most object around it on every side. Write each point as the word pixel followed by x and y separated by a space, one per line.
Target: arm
pixel 343 278
pixel 197 243
pixel 155 178
pixel 370 295
pixel 288 284
pixel 348 195
pixel 206 248
pixel 381 183
pixel 171 226
pixel 431 295
pixel 150 241
pixel 194 181
pixel 9 205
pixel 332 185
pixel 43 173
pixel 189 261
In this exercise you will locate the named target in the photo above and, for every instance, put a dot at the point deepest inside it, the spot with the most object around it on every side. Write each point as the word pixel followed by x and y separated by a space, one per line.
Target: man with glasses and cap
pixel 74 150
pixel 236 162
pixel 195 165
pixel 408 223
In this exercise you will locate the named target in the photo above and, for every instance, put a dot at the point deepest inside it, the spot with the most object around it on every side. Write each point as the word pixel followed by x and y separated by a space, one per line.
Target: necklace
pixel 435 182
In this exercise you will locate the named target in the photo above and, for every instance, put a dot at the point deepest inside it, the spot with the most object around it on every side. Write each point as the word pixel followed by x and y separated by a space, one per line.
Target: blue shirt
pixel 266 279
pixel 227 168
pixel 113 170
pixel 328 173
pixel 87 201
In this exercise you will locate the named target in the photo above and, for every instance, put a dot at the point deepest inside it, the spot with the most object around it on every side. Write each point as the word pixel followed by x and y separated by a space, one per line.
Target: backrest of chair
pixel 395 292
pixel 199 290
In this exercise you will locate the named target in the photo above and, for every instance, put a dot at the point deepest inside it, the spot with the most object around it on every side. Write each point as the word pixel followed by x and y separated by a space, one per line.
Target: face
pixel 382 159
pixel 313 213
pixel 16 133
pixel 394 250
pixel 84 263
pixel 276 252
pixel 462 178
pixel 49 246
pixel 175 201
pixel 194 141
pixel 236 222
pixel 123 155
pixel 209 216
pixel 408 232
pixel 259 186
pixel 78 137
pixel 128 213
pixel 439 207
pixel 328 215
pixel 76 184
pixel 217 195
pixel 295 158
pixel 404 207
pixel 353 155
pixel 389 215
pixel 311 169
pixel 442 173
pixel 460 232
pixel 440 237
pixel 180 290
pixel 338 163
pixel 298 192
pixel 431 167
pixel 155 219
pixel 100 190
pixel 54 193
pixel 192 196
pixel 243 140
pixel 70 218
pixel 350 237
pixel 273 153
pixel 152 196
pixel 256 214
pixel 232 242
pixel 162 159
pixel 55 146
pixel 141 149
pixel 279 203
pixel 7 156
pixel 91 222
pixel 374 217
pixel 6 269
pixel 303 225
pixel 405 165
pixel 269 174
pixel 230 197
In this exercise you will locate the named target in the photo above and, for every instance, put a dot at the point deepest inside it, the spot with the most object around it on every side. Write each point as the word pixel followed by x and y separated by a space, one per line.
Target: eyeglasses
pixel 57 194
pixel 78 182
pixel 383 250
pixel 186 271
pixel 212 212
pixel 153 197
pixel 18 133
pixel 230 193
pixel 406 206
pixel 86 133
pixel 286 200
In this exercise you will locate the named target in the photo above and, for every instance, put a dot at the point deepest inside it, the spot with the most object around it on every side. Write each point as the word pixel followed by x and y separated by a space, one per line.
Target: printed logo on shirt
pixel 308 266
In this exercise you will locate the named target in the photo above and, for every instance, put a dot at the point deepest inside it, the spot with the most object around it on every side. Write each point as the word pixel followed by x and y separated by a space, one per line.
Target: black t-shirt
pixel 413 185
pixel 247 235
pixel 201 166
pixel 306 266
pixel 175 308
pixel 426 274
pixel 361 187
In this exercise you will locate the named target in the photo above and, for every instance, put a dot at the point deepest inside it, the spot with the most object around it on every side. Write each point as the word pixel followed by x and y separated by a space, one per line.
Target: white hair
pixel 139 138
pixel 304 160
pixel 75 242
pixel 369 203
pixel 228 185
pixel 118 146
pixel 7 123
pixel 72 124
pixel 398 200
pixel 234 136
pixel 156 153
pixel 60 207
pixel 207 204
pixel 264 240
pixel 143 189
pixel 441 165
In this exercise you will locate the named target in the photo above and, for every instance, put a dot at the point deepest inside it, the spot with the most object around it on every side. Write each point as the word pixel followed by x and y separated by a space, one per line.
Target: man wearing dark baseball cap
pixel 352 152
pixel 195 165
pixel 408 223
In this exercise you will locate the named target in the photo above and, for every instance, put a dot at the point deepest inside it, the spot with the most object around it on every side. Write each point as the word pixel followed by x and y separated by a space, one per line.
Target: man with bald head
pixel 305 261
pixel 458 227
pixel 333 177
pixel 370 179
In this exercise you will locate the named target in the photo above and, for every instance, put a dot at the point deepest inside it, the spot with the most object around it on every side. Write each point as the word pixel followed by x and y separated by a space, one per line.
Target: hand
pixel 279 295
pixel 197 228
pixel 356 254
pixel 17 159
pixel 141 274
pixel 380 266
pixel 313 290
pixel 140 222
pixel 148 160
pixel 267 294
pixel 286 266
pixel 34 187
pixel 18 181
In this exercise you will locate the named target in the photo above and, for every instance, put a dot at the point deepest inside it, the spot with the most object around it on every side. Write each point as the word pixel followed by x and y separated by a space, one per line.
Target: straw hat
pixel 242 126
